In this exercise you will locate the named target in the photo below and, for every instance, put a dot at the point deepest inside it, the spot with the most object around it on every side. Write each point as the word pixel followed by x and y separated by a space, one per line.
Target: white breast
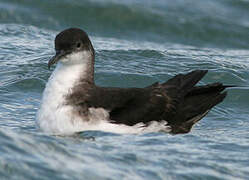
pixel 54 116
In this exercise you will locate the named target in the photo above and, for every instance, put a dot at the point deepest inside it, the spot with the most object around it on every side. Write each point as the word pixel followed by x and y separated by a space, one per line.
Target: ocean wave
pixel 206 23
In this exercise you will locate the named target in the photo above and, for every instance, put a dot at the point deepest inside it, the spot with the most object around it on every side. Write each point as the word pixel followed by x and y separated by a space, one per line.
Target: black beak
pixel 56 58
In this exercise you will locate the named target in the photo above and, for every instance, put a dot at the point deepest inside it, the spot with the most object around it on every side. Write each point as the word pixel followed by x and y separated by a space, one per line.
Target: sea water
pixel 137 43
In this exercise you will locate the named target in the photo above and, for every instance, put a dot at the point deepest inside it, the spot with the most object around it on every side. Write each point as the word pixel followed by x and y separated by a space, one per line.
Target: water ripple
pixel 139 44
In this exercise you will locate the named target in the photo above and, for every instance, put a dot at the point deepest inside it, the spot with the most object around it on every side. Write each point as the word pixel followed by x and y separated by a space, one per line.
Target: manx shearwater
pixel 73 103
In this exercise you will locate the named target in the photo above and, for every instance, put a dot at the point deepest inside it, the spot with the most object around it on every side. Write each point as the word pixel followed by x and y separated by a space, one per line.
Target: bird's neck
pixel 54 112
pixel 66 77
pixel 62 82
pixel 77 65
pixel 73 70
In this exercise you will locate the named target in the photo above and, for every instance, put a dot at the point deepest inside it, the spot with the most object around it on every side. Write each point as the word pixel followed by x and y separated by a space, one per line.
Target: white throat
pixel 53 110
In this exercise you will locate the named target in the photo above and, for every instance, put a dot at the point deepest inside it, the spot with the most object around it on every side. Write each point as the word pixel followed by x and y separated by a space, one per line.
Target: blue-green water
pixel 137 42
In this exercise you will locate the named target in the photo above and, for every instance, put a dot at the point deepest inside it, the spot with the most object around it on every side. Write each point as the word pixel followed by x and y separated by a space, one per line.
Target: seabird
pixel 72 102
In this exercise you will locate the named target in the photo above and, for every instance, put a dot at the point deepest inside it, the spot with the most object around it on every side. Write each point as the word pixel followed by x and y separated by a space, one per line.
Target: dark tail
pixel 194 101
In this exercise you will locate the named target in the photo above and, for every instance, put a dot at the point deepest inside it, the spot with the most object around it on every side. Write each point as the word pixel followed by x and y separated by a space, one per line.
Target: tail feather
pixel 186 82
pixel 195 101
pixel 207 89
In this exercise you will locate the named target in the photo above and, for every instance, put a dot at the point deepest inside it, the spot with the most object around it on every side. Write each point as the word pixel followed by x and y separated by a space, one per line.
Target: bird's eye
pixel 78 45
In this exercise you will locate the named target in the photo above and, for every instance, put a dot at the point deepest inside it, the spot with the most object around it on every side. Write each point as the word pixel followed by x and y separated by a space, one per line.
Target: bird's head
pixel 72 46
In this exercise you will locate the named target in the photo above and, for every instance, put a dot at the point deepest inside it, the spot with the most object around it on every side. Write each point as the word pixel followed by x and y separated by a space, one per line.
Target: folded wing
pixel 177 101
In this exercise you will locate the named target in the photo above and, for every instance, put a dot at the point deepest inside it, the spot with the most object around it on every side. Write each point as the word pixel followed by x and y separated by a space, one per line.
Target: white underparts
pixel 55 117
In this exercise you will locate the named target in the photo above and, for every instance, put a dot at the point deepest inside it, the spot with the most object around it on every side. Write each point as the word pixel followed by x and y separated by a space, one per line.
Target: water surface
pixel 137 43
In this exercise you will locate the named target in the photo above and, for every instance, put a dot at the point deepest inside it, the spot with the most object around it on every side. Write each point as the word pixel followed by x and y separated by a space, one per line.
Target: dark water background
pixel 137 42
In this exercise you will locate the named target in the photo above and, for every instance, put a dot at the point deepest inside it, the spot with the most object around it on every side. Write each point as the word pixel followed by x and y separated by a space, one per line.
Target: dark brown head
pixel 70 44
